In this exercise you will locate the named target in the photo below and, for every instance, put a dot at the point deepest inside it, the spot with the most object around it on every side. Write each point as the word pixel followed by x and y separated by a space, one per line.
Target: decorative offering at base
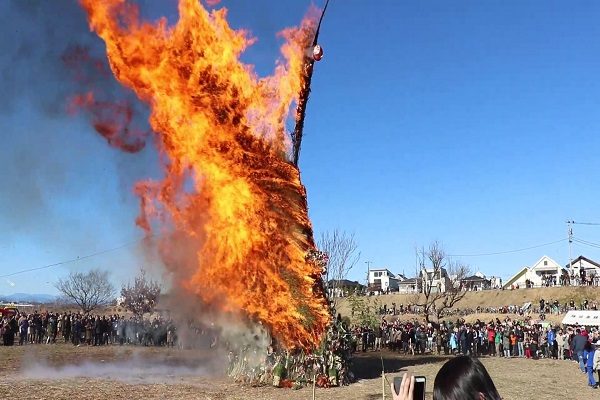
pixel 418 387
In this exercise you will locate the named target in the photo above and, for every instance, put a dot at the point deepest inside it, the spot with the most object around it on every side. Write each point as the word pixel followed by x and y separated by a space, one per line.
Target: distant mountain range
pixel 28 298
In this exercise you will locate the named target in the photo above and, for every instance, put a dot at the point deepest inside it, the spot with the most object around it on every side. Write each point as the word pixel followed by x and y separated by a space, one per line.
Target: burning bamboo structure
pixel 315 54
pixel 325 365
pixel 231 208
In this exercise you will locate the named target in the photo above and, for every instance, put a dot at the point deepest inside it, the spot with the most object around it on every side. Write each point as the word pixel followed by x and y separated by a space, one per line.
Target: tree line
pixel 92 290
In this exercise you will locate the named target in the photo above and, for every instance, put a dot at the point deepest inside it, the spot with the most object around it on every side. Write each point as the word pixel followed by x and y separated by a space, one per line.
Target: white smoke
pixel 150 369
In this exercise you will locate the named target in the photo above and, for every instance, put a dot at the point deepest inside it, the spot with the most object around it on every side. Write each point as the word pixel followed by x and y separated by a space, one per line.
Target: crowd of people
pixel 507 338
pixel 79 329
pixel 545 307
pixel 583 278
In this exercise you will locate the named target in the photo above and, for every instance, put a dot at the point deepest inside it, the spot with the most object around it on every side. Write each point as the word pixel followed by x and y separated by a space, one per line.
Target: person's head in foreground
pixel 461 378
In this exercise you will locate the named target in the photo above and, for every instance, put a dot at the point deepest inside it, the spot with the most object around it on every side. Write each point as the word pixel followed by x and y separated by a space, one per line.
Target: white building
pixel 496 282
pixel 410 285
pixel 545 272
pixel 581 263
pixel 476 282
pixel 382 280
pixel 435 280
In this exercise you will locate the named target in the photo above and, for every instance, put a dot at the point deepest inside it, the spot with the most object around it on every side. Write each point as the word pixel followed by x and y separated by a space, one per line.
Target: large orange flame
pixel 229 189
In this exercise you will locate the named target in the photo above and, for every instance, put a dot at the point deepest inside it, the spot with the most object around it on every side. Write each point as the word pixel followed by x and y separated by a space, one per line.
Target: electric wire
pixel 78 258
pixel 508 251
pixel 586 243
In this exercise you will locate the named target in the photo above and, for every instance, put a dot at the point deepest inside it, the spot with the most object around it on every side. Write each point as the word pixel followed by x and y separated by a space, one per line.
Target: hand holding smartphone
pixel 408 387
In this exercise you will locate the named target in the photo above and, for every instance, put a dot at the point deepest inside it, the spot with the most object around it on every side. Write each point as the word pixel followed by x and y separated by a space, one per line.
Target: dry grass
pixel 496 298
pixel 483 317
pixel 515 378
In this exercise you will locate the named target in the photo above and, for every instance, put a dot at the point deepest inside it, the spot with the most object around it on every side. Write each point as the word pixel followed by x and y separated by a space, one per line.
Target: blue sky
pixel 472 123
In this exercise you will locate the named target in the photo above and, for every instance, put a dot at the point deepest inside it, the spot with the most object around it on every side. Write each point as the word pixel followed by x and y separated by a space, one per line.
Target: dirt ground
pixel 65 372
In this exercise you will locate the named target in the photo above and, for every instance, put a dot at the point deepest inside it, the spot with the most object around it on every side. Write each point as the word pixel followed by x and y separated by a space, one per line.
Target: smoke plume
pixel 48 156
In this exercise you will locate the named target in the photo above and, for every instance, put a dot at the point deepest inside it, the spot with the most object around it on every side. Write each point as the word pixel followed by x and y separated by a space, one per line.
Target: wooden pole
pixel 314 388
pixel 383 385
pixel 382 379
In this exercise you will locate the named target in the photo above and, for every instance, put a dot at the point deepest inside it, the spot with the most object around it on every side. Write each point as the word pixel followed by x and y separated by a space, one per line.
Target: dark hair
pixel 464 378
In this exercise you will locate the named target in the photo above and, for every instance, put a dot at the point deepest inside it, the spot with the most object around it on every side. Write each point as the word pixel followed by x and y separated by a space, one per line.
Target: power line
pixel 584 223
pixel 79 258
pixel 508 251
pixel 585 242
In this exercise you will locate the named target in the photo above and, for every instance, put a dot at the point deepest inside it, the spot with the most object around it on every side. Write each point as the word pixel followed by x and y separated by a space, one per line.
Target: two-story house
pixel 382 280
pixel 435 280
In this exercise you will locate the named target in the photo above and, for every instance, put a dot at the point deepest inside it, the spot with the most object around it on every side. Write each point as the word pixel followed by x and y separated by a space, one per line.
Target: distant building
pixel 545 272
pixel 581 263
pixel 382 280
pixel 410 285
pixel 495 282
pixel 343 287
pixel 476 282
pixel 435 280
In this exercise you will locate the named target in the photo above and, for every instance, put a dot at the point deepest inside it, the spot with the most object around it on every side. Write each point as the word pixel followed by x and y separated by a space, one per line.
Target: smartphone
pixel 419 390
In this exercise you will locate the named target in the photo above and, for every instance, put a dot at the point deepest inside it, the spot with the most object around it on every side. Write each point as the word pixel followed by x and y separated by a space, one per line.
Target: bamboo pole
pixel 382 380
pixel 303 96
pixel 383 385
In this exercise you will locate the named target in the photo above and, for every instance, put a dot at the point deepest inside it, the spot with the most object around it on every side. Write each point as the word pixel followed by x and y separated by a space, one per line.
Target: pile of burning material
pixel 294 369
pixel 326 365
pixel 230 215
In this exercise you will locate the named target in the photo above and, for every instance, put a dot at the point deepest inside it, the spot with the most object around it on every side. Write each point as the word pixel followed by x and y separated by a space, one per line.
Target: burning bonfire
pixel 231 194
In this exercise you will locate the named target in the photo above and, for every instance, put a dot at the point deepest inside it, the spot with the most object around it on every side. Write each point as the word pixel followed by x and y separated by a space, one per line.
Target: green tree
pixel 364 310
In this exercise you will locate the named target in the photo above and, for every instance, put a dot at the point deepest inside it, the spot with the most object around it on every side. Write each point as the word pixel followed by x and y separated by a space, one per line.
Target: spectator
pixel 461 378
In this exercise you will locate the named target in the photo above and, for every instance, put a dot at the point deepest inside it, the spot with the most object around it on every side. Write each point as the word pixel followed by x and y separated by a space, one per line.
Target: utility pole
pixel 570 236
pixel 416 262
pixel 368 272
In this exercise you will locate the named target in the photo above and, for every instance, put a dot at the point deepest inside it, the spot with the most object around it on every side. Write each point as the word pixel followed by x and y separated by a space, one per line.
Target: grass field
pixel 63 371
pixel 54 372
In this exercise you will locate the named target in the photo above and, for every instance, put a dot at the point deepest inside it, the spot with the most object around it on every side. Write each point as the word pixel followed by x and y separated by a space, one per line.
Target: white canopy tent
pixel 585 317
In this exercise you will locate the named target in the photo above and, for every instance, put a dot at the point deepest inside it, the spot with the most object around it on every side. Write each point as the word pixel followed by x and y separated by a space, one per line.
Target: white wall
pixel 383 276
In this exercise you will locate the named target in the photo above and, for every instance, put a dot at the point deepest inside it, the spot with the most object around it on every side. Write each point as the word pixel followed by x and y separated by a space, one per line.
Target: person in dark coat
pixel 469 337
pixel 66 327
pixel 364 339
pixel 578 345
pixel 10 329
pixel 77 328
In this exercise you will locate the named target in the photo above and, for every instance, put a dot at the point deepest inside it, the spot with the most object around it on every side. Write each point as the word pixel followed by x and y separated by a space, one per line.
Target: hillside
pixel 497 298
pixel 40 298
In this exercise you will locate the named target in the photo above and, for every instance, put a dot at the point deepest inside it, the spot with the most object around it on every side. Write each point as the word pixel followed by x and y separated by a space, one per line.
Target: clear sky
pixel 472 123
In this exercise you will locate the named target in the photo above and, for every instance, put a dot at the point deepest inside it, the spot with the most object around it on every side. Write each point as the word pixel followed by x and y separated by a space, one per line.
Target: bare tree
pixel 88 290
pixel 341 249
pixel 142 296
pixel 457 272
pixel 441 287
